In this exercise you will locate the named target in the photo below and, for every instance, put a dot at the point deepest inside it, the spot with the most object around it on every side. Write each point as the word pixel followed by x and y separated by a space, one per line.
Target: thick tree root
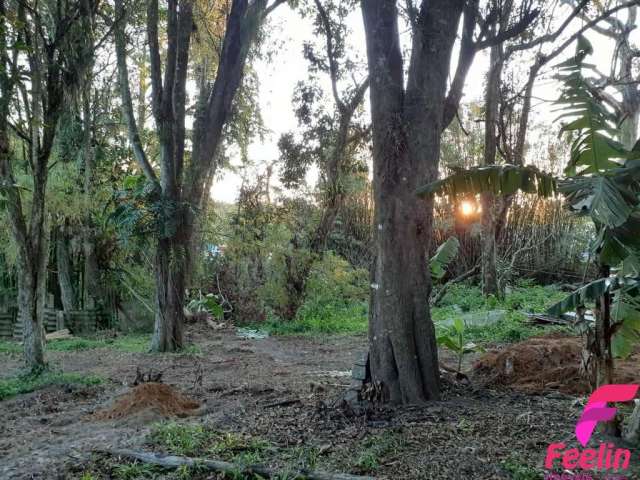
pixel 174 462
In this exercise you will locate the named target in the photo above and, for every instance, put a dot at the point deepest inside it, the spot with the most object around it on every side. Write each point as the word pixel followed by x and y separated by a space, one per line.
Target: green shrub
pixel 336 301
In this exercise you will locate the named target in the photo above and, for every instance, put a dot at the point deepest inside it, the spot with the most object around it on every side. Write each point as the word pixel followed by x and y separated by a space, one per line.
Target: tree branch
pixel 125 93
pixel 504 35
pixel 333 66
pixel 551 36
pixel 465 59
pixel 154 58
pixel 272 7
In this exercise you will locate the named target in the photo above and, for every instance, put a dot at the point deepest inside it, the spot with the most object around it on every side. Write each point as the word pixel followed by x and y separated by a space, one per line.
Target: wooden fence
pixel 79 322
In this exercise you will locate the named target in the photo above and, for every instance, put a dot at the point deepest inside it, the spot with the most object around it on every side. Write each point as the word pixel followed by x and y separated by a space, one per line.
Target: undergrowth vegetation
pixel 497 320
pixel 336 303
pixel 125 343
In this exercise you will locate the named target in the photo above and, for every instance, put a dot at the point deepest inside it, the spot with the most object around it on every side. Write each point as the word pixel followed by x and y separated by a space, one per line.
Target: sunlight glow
pixel 467 208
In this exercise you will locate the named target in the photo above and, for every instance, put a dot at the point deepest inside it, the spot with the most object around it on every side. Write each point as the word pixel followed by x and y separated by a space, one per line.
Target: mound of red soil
pixel 157 397
pixel 546 363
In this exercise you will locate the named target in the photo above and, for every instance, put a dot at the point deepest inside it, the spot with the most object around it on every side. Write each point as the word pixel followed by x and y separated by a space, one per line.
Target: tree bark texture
pixel 407 124
pixel 65 269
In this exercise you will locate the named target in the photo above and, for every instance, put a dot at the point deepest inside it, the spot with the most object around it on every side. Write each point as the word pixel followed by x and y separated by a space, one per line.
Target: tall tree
pixel 407 124
pixel 330 140
pixel 181 177
pixel 44 48
pixel 623 76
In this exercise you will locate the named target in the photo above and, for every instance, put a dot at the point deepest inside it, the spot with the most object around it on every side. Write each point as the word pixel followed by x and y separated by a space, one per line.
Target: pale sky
pixel 279 76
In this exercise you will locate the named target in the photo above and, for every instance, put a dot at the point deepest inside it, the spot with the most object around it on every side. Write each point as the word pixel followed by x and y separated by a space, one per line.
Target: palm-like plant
pixel 602 180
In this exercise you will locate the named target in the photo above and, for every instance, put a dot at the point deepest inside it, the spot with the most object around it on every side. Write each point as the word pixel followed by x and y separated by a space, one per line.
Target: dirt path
pixel 43 430
pixel 473 434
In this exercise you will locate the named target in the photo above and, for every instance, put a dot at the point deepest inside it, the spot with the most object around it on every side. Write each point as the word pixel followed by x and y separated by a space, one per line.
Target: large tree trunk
pixel 406 141
pixel 403 351
pixel 171 266
pixel 32 292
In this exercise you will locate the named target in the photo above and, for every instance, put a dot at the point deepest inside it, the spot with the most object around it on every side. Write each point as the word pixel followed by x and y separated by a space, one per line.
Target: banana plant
pixel 453 338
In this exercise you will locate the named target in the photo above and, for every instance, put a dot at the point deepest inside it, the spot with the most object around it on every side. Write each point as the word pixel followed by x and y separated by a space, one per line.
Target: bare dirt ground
pixel 283 390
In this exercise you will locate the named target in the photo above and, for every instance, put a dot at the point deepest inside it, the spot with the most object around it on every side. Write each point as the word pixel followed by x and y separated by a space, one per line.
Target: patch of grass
pixel 134 471
pixel 193 440
pixel 125 343
pixel 520 471
pixel 9 347
pixel 324 319
pixel 375 449
pixel 330 310
pixel 10 387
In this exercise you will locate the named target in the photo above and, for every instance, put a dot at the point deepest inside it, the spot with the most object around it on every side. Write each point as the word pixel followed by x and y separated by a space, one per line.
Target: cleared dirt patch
pixel 157 397
pixel 547 363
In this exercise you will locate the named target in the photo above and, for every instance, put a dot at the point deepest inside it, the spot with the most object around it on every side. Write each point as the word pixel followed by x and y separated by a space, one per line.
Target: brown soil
pixel 159 398
pixel 286 392
pixel 545 364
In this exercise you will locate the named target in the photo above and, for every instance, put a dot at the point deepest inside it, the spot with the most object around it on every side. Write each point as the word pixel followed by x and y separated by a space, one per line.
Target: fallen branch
pixel 283 403
pixel 174 462
pixel 59 335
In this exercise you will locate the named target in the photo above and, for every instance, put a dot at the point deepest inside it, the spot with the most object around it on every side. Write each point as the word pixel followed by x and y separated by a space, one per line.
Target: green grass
pixel 322 319
pixel 520 471
pixel 196 440
pixel 374 449
pixel 135 471
pixel 524 298
pixel 342 317
pixel 125 343
pixel 10 387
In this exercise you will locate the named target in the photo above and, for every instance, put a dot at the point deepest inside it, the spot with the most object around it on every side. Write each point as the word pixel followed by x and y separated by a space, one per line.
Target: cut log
pixel 174 462
pixel 59 335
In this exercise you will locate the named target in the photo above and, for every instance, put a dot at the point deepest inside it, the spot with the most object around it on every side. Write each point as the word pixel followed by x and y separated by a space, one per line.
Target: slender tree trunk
pixel 629 89
pixel 65 268
pixel 92 294
pixel 489 222
pixel 491 211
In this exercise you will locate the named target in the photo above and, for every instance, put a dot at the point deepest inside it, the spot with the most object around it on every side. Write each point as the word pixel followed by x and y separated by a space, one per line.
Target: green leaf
pixel 443 256
pixel 590 292
pixel 448 342
pixel 458 324
pixel 625 312
pixel 605 200
pixel 496 179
